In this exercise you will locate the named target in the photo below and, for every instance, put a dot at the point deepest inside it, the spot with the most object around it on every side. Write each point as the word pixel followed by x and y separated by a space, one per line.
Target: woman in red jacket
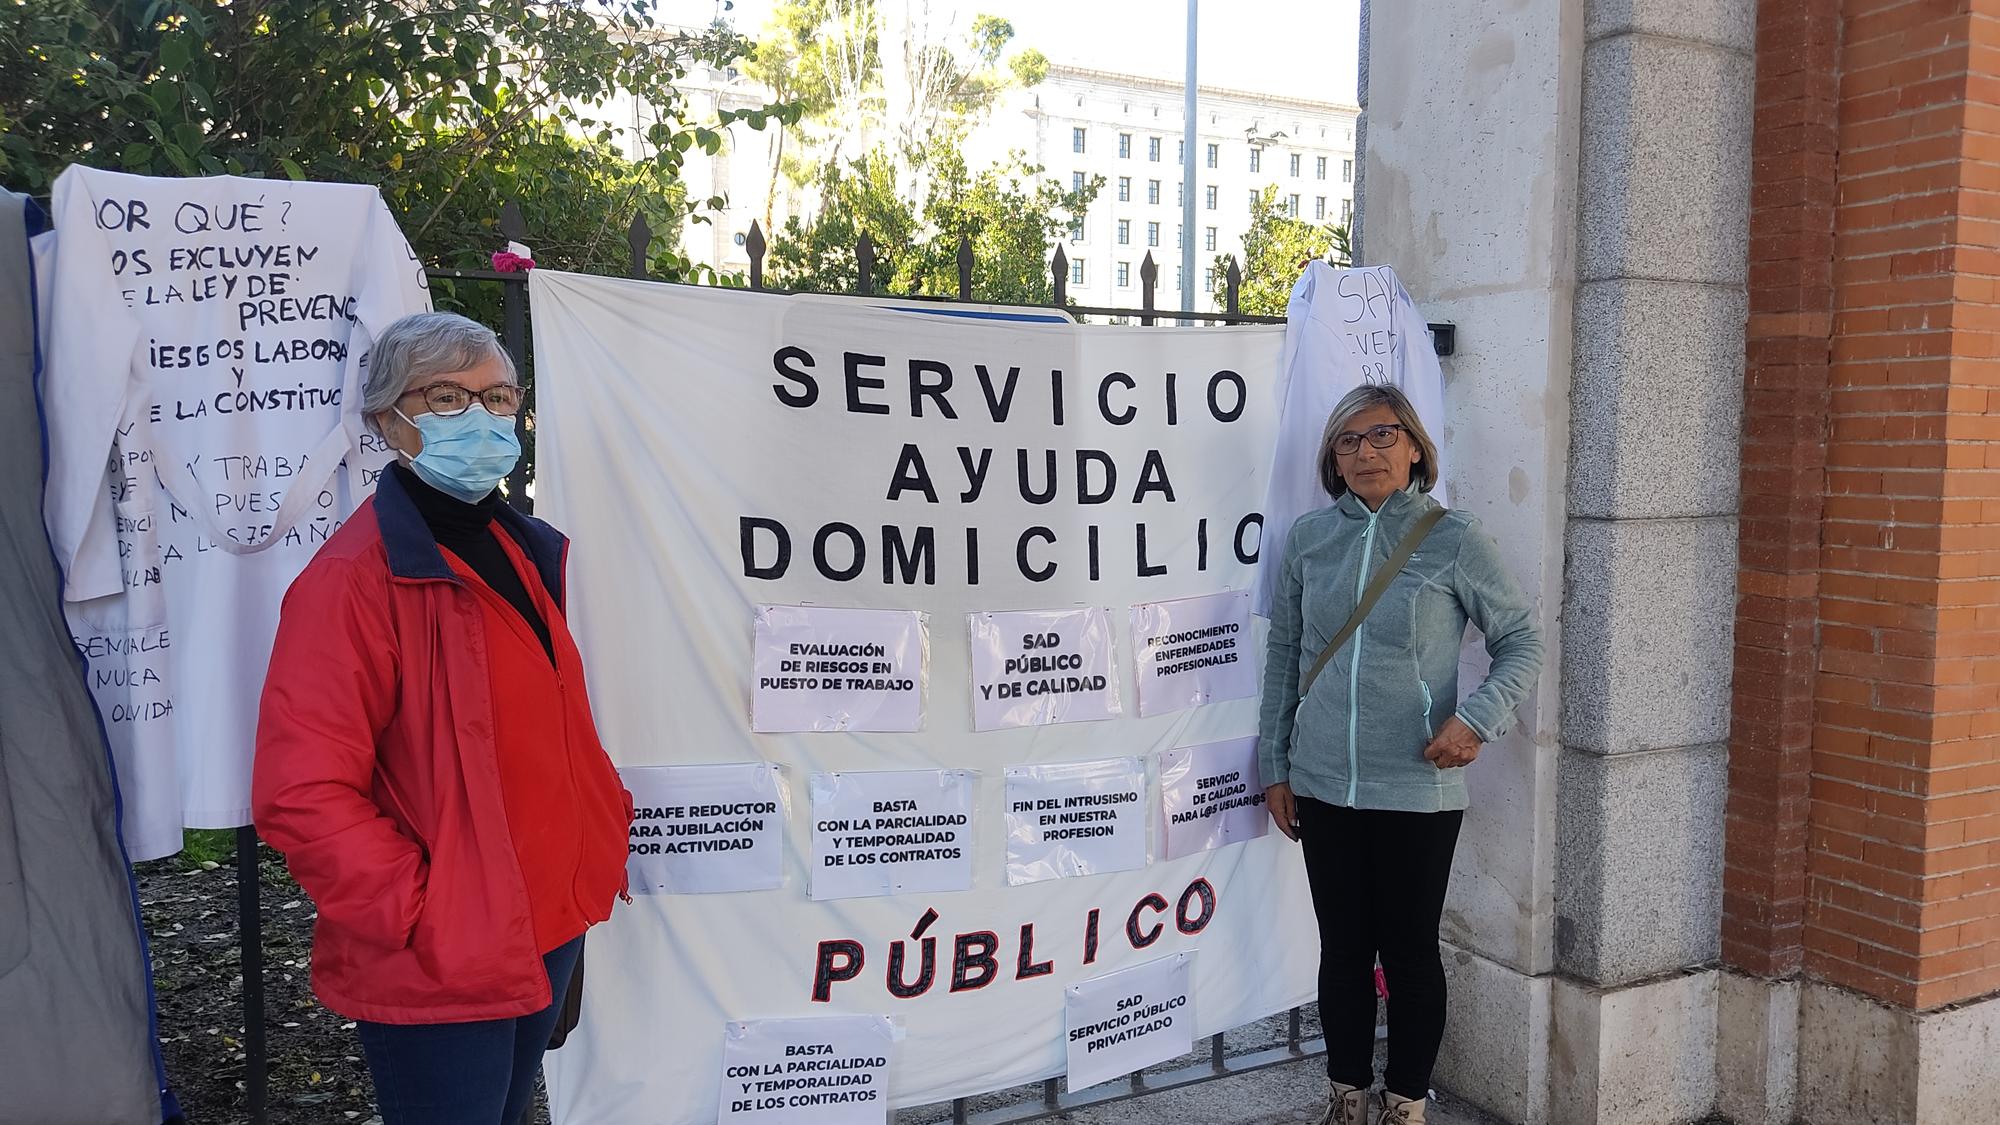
pixel 426 759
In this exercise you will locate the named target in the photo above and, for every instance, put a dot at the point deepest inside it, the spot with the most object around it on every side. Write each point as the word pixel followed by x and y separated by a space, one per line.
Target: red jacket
pixel 377 775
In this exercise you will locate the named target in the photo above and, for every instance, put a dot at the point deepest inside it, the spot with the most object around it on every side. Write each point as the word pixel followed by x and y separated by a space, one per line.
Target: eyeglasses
pixel 447 400
pixel 1381 437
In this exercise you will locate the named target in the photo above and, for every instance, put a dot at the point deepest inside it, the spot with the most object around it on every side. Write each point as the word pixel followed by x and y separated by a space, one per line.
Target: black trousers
pixel 1378 884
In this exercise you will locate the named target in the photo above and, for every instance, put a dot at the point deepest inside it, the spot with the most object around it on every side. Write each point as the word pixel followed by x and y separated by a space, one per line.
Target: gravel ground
pixel 317 1076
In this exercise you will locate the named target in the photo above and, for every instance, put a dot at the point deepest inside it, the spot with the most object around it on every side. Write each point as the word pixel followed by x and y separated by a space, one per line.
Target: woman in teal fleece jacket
pixel 1365 770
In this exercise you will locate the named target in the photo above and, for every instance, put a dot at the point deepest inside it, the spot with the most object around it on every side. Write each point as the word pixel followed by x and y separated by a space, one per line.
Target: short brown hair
pixel 1423 474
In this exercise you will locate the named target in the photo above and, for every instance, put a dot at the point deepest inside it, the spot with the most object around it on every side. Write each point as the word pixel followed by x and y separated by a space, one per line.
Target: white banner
pixel 1075 818
pixel 1128 1020
pixel 1211 796
pixel 839 669
pixel 710 451
pixel 705 829
pixel 892 833
pixel 833 1070
pixel 1032 668
pixel 1193 651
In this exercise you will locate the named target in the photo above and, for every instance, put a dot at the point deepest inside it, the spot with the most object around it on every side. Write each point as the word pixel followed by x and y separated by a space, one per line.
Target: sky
pixel 1303 48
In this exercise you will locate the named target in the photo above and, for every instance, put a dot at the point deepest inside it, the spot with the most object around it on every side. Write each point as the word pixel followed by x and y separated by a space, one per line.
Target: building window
pixel 1346 210
pixel 1347 171
pixel 1152 191
pixel 1153 149
pixel 1319 168
pixel 1295 163
pixel 1076 181
pixel 1211 197
pixel 1180 151
pixel 1319 207
pixel 1124 275
pixel 1180 278
pixel 1254 197
pixel 1124 189
pixel 1180 236
pixel 1208 238
pixel 1124 232
pixel 1256 159
pixel 1076 140
pixel 1208 280
pixel 1152 234
pixel 1292 205
pixel 1180 194
pixel 1076 230
pixel 1076 272
pixel 1214 155
pixel 1124 146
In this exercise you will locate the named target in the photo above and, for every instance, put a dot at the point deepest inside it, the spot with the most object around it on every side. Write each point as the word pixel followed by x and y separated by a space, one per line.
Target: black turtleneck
pixel 467 529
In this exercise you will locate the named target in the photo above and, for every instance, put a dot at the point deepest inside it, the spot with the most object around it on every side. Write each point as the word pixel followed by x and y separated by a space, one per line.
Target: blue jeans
pixel 480 1073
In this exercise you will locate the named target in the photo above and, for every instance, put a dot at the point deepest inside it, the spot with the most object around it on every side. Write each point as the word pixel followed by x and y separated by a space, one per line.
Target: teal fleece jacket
pixel 1357 739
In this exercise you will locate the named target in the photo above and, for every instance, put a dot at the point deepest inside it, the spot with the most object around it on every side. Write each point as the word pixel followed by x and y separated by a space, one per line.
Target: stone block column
pixel 1468 190
pixel 1655 402
pixel 1727 275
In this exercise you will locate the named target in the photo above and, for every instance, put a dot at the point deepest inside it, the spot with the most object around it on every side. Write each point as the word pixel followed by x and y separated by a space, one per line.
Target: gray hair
pixel 1423 474
pixel 420 346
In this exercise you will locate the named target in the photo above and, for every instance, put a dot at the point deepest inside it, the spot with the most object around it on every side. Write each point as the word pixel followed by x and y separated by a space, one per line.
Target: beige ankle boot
pixel 1346 1105
pixel 1399 1110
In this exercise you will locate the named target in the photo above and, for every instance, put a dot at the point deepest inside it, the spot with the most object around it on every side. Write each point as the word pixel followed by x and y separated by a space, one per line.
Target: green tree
pixel 1011 214
pixel 452 107
pixel 820 59
pixel 1276 248
pixel 816 254
pixel 864 77
pixel 952 82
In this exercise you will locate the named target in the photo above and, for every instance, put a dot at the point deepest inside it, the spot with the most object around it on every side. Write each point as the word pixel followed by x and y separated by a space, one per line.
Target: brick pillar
pixel 1904 870
pixel 1863 847
pixel 1783 481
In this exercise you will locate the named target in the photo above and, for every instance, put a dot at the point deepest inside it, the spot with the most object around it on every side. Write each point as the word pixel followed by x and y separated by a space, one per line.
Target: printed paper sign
pixel 1212 796
pixel 705 829
pixel 1032 668
pixel 839 669
pixel 1193 651
pixel 1075 818
pixel 1128 1020
pixel 831 1070
pixel 891 833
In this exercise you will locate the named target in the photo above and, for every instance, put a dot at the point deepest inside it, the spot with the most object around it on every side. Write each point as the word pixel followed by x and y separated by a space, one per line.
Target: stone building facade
pixel 1724 273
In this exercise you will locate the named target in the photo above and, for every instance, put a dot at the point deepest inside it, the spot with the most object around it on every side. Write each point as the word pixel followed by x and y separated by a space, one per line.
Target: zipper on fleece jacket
pixel 1354 666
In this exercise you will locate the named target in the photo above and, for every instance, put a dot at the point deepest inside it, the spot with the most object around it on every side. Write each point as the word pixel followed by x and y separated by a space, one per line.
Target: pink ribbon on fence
pixel 506 261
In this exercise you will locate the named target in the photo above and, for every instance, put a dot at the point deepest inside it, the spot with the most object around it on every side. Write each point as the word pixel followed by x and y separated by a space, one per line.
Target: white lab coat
pixel 1344 327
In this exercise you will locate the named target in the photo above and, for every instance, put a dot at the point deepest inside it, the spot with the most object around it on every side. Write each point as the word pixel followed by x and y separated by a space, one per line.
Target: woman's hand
pixel 1455 745
pixel 1284 808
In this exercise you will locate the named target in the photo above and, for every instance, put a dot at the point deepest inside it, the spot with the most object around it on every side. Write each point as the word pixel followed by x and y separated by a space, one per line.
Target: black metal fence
pixel 514 336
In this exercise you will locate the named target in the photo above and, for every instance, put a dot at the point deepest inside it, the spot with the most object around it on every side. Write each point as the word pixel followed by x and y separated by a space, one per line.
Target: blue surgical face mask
pixel 465 455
